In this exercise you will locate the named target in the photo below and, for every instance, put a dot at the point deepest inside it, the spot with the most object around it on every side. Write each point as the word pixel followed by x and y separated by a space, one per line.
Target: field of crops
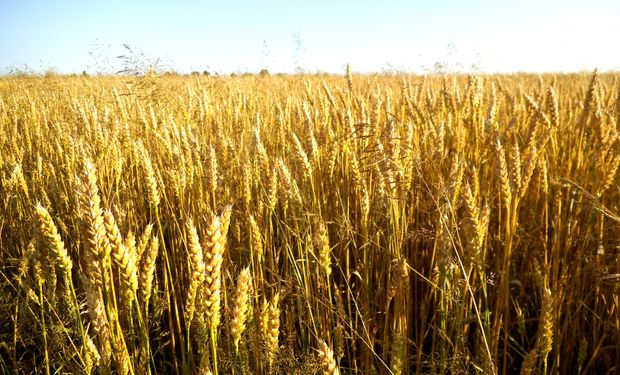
pixel 310 224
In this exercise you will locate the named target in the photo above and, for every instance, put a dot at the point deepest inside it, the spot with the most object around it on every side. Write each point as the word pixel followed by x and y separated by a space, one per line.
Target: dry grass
pixel 304 224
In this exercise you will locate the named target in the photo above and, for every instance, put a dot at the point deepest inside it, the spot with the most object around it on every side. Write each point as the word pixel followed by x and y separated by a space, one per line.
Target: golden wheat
pixel 399 218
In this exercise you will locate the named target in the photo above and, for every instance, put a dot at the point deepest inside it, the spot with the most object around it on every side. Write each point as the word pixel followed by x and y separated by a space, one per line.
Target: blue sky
pixel 240 36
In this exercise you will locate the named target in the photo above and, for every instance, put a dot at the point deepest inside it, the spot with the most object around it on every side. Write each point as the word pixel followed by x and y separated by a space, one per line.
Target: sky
pixel 286 36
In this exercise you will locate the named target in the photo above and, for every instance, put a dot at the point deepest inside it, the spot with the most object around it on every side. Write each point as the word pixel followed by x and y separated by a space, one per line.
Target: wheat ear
pixel 54 243
pixel 256 240
pixel 98 249
pixel 242 296
pixel 213 254
pixel 322 241
pixel 272 328
pixel 326 356
pixel 198 271
pixel 147 272
pixel 121 254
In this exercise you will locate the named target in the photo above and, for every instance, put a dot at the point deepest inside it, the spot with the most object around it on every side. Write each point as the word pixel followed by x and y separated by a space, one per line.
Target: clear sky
pixel 320 35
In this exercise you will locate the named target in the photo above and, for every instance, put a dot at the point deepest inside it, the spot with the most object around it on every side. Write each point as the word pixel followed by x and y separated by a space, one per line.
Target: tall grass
pixel 304 224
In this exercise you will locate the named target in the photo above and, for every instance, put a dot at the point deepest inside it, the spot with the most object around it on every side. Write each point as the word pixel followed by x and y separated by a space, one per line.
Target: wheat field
pixel 310 224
